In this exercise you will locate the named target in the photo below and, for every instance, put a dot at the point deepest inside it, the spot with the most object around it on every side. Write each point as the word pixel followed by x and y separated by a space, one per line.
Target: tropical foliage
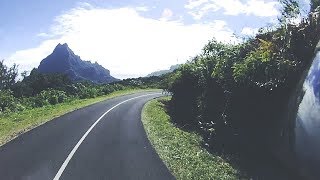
pixel 238 91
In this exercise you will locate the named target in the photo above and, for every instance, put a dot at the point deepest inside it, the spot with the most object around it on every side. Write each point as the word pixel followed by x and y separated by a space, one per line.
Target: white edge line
pixel 65 163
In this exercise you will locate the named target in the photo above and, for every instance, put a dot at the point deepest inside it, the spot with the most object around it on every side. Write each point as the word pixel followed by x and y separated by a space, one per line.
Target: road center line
pixel 65 163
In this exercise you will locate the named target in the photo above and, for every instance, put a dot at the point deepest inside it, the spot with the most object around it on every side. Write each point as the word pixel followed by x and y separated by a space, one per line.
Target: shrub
pixel 89 92
pixel 106 89
pixel 8 102
pixel 263 67
pixel 46 97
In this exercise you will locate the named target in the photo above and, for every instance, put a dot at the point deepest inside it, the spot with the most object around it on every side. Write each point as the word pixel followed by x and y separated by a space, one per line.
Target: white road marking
pixel 65 163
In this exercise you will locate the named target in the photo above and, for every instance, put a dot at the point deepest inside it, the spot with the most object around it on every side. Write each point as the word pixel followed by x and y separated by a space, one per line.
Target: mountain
pixel 63 60
pixel 161 72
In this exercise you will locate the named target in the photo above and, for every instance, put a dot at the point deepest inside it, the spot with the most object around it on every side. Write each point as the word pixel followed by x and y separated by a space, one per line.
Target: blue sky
pixel 131 38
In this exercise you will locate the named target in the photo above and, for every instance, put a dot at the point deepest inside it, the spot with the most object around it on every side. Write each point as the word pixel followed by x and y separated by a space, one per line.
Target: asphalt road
pixel 102 141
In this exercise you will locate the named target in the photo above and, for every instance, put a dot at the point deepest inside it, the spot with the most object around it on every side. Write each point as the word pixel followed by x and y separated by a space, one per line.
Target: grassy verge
pixel 14 124
pixel 181 151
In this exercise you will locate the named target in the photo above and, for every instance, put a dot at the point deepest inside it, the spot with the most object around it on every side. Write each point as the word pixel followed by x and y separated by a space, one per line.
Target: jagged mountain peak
pixel 62 46
pixel 63 49
pixel 63 60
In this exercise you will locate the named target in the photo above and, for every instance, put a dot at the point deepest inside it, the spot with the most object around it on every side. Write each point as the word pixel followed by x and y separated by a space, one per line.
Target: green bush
pixel 39 101
pixel 107 89
pixel 46 97
pixel 263 67
pixel 89 92
pixel 54 96
pixel 8 103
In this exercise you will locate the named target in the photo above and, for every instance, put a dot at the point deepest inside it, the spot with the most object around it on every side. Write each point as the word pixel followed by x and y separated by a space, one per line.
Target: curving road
pixel 102 141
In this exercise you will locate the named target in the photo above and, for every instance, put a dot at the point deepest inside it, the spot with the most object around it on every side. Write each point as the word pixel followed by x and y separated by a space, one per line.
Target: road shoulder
pixel 181 151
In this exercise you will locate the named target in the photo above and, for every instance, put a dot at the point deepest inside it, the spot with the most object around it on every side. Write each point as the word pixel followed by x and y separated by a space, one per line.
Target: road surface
pixel 102 141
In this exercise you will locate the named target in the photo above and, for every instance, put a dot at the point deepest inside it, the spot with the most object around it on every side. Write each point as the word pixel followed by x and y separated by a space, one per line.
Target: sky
pixel 131 38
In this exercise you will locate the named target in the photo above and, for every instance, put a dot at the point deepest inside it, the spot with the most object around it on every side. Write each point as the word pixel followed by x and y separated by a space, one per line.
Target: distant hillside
pixel 63 60
pixel 161 72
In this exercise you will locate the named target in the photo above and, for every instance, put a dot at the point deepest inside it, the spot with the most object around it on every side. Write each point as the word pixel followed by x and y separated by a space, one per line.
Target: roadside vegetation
pixel 234 95
pixel 182 151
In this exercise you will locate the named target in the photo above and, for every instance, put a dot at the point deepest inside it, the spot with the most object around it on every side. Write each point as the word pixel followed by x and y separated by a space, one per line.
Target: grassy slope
pixel 14 124
pixel 181 151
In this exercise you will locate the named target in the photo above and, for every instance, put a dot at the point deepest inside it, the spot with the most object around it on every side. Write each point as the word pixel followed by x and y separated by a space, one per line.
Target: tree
pixel 7 75
pixel 314 4
pixel 37 82
pixel 290 10
pixel 24 74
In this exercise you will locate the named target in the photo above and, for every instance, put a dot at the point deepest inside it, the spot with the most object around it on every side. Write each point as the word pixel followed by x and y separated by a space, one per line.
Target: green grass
pixel 14 124
pixel 181 151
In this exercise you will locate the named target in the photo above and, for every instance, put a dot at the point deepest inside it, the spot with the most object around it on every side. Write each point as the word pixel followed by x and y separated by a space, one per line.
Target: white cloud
pixel 124 42
pixel 261 8
pixel 166 14
pixel 44 35
pixel 195 3
pixel 142 8
pixel 198 14
pixel 248 31
pixel 30 58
